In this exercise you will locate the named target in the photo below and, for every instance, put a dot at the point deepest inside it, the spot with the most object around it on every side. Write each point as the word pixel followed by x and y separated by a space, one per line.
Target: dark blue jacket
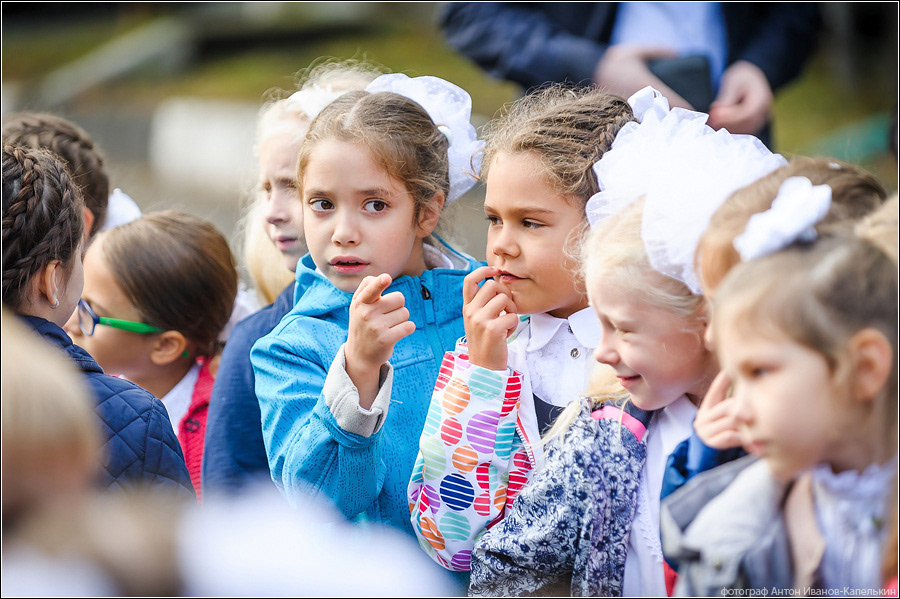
pixel 141 450
pixel 536 42
pixel 692 457
pixel 234 453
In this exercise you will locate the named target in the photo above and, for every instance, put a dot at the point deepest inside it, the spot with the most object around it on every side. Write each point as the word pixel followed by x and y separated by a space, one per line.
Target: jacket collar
pixel 54 334
pixel 583 324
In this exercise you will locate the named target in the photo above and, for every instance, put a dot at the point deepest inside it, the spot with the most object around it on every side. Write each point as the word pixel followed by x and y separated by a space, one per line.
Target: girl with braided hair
pixel 43 276
pixel 529 331
pixel 586 523
pixel 103 208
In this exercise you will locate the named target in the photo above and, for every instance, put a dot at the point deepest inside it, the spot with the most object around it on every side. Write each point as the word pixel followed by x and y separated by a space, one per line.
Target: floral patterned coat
pixel 568 531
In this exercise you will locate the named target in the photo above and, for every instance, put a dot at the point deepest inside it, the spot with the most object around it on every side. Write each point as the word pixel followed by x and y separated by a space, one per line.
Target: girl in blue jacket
pixel 344 380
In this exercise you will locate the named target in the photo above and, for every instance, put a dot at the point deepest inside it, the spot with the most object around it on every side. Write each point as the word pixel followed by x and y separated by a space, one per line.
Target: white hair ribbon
pixel 450 108
pixel 796 210
pixel 311 101
pixel 684 169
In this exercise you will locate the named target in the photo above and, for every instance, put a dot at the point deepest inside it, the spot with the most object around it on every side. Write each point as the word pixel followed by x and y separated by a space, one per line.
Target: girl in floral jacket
pixel 497 393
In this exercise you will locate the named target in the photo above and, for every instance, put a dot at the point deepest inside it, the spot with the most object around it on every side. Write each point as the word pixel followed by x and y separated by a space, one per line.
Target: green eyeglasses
pixel 88 321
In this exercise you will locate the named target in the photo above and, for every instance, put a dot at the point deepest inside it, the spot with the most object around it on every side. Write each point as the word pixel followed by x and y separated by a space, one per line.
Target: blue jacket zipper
pixel 430 320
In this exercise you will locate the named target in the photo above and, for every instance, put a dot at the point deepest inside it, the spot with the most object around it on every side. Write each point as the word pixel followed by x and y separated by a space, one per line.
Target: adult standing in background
pixel 753 48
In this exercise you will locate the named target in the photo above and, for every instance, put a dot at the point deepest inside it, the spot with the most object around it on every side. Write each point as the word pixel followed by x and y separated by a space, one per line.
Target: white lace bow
pixel 684 169
pixel 796 210
pixel 450 107
pixel 312 100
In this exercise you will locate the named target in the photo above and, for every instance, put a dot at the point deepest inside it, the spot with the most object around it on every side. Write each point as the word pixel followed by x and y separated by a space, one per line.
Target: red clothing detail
pixel 192 428
pixel 671 576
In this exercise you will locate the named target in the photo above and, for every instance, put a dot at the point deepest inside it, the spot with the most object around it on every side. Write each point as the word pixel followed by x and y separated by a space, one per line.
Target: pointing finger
pixel 370 288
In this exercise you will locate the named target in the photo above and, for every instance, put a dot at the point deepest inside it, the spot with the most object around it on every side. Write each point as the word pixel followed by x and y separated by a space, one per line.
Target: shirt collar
pixel 584 325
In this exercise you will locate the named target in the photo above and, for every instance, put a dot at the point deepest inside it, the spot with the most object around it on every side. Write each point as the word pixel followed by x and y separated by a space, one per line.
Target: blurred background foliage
pixel 88 59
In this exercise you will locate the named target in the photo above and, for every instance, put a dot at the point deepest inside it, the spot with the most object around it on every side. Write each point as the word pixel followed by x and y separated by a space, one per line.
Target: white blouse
pixel 178 399
pixel 556 347
pixel 851 510
pixel 644 575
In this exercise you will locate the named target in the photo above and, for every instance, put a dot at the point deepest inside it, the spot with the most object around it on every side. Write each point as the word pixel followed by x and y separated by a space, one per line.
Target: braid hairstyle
pixel 567 128
pixel 42 219
pixel 71 143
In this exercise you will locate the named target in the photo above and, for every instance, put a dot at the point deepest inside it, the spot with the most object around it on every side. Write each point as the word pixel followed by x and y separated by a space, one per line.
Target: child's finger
pixel 390 301
pixel 719 410
pixel 718 391
pixel 510 322
pixel 725 440
pixel 473 279
pixel 498 305
pixel 399 331
pixel 715 427
pixel 370 288
pixel 394 317
pixel 486 293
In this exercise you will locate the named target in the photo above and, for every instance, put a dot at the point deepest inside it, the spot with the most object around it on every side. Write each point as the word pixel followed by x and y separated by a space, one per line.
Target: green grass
pixel 411 49
pixel 34 51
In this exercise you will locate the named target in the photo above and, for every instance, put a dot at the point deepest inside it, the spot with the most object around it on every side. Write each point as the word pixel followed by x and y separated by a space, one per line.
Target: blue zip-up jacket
pixel 234 454
pixel 138 440
pixel 317 437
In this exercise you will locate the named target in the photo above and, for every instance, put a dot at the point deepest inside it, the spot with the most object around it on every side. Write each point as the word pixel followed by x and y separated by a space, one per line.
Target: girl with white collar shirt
pixel 513 374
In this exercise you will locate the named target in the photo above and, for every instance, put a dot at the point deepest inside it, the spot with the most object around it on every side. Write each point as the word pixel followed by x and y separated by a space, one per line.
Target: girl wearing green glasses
pixel 157 293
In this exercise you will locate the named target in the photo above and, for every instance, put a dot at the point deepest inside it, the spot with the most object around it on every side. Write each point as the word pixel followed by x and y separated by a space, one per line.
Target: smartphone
pixel 688 76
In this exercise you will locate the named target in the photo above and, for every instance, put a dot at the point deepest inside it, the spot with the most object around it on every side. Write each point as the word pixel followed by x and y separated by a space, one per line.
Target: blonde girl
pixel 808 336
pixel 343 380
pixel 157 293
pixel 529 332
pixel 273 228
pixel 586 523
pixel 234 453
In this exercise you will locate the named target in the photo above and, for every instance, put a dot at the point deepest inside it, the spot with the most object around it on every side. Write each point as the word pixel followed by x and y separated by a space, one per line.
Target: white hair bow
pixel 796 210
pixel 313 100
pixel 684 169
pixel 450 107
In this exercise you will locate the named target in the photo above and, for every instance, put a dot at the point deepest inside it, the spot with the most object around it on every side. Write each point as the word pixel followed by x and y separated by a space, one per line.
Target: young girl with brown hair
pixel 341 380
pixel 43 277
pixel 530 314
pixel 157 292
pixel 234 452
